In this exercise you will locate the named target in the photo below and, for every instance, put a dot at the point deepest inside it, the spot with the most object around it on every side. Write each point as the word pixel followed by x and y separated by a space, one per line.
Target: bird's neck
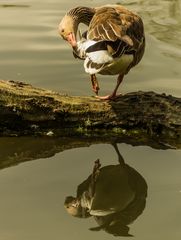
pixel 81 15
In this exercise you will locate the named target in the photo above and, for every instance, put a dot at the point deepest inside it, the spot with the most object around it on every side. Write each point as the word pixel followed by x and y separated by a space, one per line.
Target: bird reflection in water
pixel 115 195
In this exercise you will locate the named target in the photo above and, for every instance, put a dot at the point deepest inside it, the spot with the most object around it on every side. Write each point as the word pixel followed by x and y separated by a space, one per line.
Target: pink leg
pixel 113 95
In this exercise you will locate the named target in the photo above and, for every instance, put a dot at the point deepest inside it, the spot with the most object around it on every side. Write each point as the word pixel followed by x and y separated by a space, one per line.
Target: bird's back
pixel 122 30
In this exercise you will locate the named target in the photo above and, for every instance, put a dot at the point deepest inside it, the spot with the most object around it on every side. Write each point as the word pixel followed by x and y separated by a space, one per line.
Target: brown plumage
pixel 114 43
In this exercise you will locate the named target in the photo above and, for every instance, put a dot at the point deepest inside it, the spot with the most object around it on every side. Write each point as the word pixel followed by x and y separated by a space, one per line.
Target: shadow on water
pixel 114 195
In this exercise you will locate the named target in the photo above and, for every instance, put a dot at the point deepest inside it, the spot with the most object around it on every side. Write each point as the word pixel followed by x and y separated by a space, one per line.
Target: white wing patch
pixel 95 60
pixel 100 57
pixel 82 46
pixel 101 61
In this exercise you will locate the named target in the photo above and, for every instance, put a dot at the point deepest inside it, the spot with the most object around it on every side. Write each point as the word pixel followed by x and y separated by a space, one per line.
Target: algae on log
pixel 26 110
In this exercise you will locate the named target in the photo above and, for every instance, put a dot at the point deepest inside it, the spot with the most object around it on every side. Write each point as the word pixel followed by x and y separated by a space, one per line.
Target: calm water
pixel 33 193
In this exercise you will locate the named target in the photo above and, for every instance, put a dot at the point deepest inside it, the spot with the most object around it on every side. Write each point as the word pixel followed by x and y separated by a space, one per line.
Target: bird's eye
pixel 63 31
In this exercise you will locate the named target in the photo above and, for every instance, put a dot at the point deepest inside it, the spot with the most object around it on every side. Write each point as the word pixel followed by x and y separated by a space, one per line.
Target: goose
pixel 113 43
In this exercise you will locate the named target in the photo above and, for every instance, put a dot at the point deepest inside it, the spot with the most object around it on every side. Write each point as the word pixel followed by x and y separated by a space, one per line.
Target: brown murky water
pixel 33 193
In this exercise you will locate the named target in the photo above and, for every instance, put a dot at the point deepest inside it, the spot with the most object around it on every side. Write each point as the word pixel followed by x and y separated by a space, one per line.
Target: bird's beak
pixel 71 39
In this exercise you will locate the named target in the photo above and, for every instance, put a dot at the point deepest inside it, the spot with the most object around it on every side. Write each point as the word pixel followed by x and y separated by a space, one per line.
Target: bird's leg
pixel 120 157
pixel 113 95
pixel 94 177
pixel 95 84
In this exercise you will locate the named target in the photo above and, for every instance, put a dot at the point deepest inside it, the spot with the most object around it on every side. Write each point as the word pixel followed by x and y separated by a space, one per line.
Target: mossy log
pixel 29 111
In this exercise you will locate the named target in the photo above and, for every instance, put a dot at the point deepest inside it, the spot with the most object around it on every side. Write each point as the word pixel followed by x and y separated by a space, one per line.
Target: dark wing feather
pixel 113 23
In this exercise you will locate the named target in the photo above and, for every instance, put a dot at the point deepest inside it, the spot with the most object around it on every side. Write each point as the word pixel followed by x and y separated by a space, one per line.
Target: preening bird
pixel 113 43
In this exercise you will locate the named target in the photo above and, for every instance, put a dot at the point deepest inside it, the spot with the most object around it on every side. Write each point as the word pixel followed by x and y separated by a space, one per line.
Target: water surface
pixel 33 193
pixel 31 49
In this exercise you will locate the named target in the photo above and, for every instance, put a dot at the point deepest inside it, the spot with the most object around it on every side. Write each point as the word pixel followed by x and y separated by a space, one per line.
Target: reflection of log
pixel 22 149
pixel 25 110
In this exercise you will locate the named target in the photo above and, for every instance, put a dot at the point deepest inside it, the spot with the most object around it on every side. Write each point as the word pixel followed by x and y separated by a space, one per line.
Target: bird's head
pixel 68 29
pixel 74 208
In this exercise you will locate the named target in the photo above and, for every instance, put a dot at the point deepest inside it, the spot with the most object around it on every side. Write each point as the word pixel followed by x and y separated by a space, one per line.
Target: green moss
pixel 119 130
pixel 88 122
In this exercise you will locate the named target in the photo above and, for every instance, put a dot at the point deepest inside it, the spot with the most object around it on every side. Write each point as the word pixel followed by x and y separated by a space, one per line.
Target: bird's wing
pixel 113 32
pixel 115 24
